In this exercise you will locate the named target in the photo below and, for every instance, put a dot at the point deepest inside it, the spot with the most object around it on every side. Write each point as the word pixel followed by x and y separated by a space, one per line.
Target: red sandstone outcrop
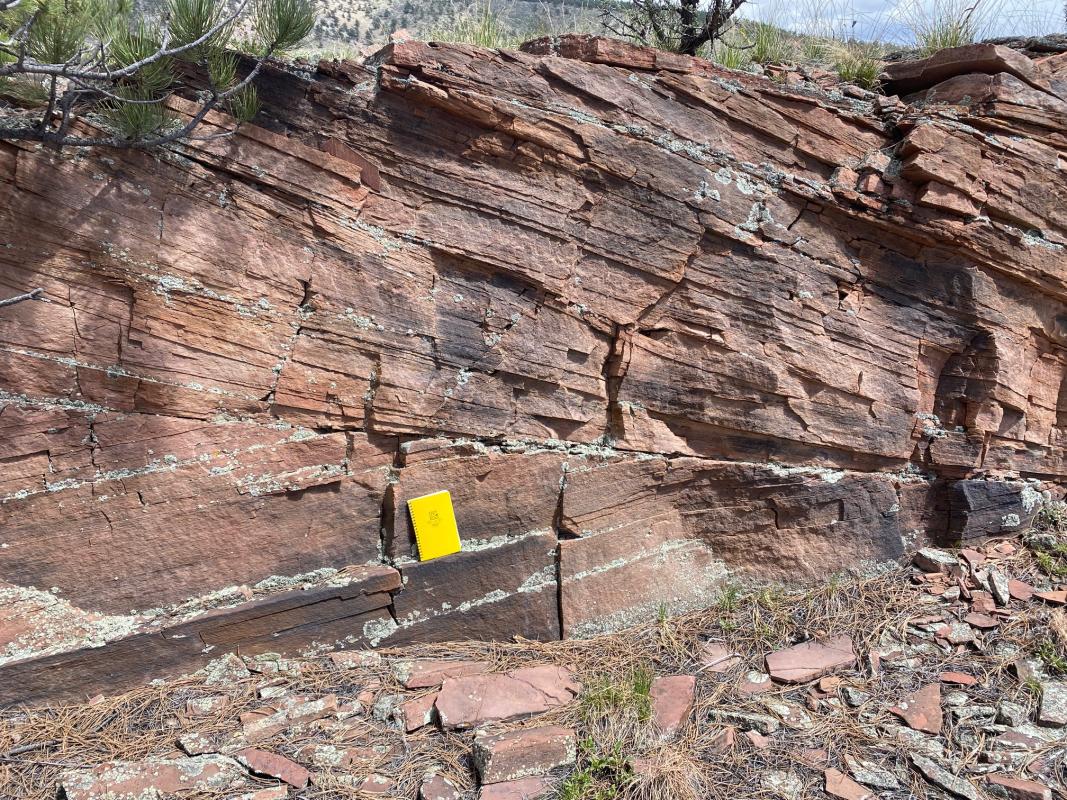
pixel 650 321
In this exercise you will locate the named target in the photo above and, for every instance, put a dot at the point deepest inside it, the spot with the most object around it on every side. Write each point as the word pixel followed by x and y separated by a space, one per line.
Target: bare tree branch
pixel 683 26
pixel 20 298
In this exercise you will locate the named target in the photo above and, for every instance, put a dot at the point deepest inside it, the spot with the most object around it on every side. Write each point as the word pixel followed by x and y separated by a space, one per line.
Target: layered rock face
pixel 652 323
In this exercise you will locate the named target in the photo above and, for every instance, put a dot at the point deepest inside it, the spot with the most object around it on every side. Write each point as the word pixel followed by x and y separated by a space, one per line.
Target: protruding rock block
pixel 523 753
pixel 982 508
pixel 905 77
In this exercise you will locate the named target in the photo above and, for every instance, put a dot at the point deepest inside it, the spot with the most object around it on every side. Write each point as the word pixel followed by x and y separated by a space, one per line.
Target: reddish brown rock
pixel 206 774
pixel 839 785
pixel 816 758
pixel 672 700
pixel 637 360
pixel 811 660
pixel 759 741
pixel 418 712
pixel 718 658
pixel 981 621
pixel 1058 598
pixel 438 787
pixel 958 678
pixel 523 753
pixel 426 673
pixel 921 710
pixel 903 77
pixel 1020 590
pixel 1019 789
pixel 276 766
pixel 524 789
pixel 377 784
pixel 279 792
pixel 470 701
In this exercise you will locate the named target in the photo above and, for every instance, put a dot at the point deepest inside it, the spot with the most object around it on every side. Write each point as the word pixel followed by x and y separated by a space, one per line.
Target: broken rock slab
pixel 942 778
pixel 905 77
pixel 475 699
pixel 153 777
pixel 418 713
pixel 429 673
pixel 523 753
pixel 274 765
pixel 524 789
pixel 438 787
pixel 1052 712
pixel 839 785
pixel 672 700
pixel 921 710
pixel 1017 788
pixel 810 660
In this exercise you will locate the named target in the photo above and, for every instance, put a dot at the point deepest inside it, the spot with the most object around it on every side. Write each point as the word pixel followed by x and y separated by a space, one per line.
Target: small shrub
pixel 949 23
pixel 609 696
pixel 861 70
pixel 1053 659
pixel 769 44
pixel 731 52
pixel 730 599
pixel 598 776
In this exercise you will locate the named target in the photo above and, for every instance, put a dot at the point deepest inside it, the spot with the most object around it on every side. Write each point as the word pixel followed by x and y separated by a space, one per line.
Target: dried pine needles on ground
pixel 357 722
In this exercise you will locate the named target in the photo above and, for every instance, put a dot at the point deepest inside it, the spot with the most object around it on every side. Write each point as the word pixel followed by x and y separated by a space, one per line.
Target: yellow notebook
pixel 435 525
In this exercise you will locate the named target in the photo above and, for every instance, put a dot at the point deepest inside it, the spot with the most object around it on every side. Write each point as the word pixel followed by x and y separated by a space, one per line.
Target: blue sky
pixel 894 20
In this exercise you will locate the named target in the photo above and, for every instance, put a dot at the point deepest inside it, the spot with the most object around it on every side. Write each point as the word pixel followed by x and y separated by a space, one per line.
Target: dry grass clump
pixel 937 24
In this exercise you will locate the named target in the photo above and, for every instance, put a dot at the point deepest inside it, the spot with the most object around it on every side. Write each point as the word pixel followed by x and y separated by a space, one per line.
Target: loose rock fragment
pixel 921 710
pixel 428 673
pixel 377 784
pixel 276 766
pixel 418 712
pixel 717 657
pixel 1018 789
pixel 152 777
pixel 672 700
pixel 871 773
pixel 438 787
pixel 932 560
pixel 523 753
pixel 470 701
pixel 811 660
pixel 1052 712
pixel 839 785
pixel 782 784
pixel 1000 587
pixel 525 789
pixel 944 779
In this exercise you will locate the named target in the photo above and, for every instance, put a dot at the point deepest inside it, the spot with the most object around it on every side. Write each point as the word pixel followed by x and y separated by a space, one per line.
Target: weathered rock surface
pixel 473 700
pixel 523 753
pixel 651 322
pixel 144 779
pixel 809 660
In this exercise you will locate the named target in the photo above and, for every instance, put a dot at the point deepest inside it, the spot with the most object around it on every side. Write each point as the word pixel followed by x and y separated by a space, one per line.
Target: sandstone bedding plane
pixel 655 324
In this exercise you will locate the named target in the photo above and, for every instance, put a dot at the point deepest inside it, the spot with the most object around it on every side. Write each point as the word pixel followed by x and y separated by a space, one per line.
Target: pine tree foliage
pixel 105 62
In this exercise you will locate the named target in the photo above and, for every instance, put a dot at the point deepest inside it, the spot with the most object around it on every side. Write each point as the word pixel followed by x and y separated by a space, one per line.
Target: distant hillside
pixel 362 22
